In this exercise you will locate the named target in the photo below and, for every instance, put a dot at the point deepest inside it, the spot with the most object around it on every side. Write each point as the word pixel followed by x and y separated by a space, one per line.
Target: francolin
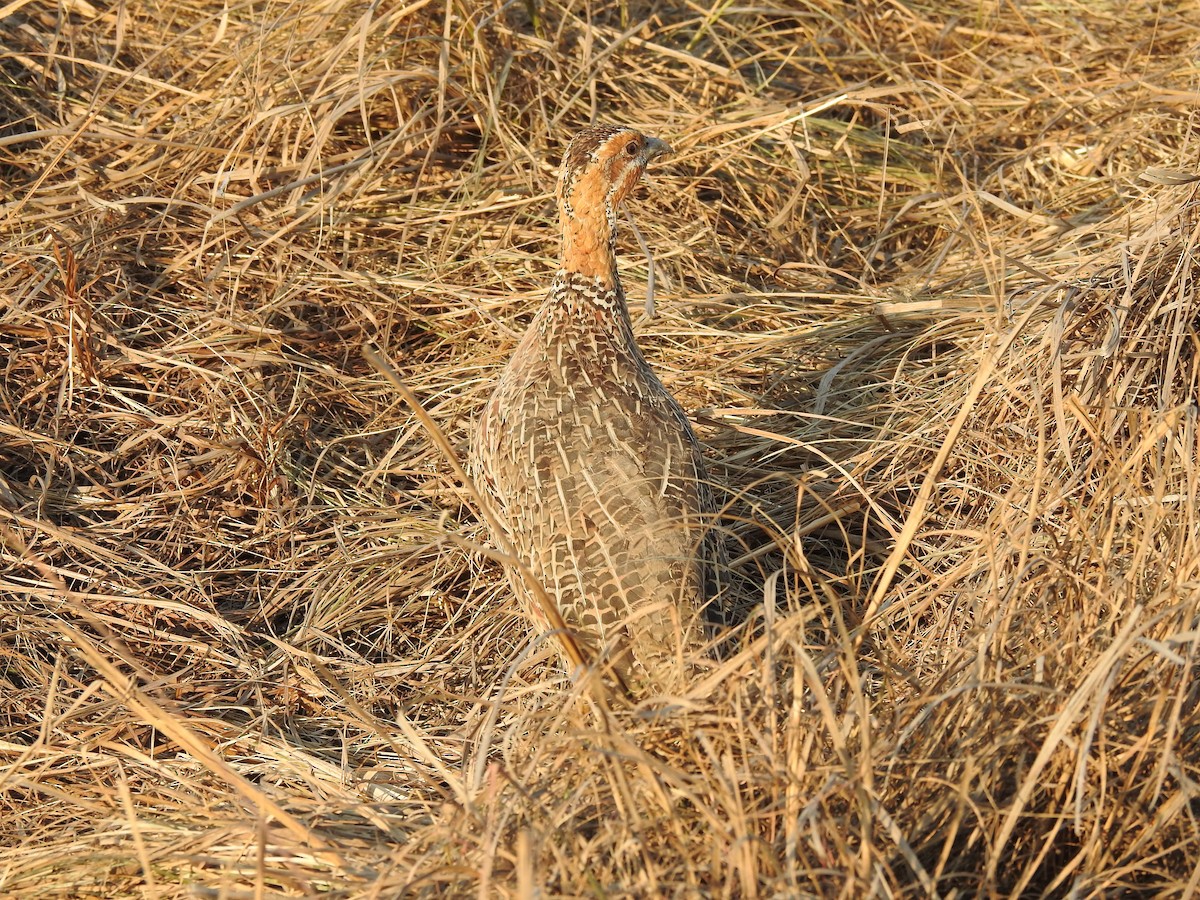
pixel 592 468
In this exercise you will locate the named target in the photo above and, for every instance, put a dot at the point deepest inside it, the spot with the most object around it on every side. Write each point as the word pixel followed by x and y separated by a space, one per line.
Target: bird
pixel 593 472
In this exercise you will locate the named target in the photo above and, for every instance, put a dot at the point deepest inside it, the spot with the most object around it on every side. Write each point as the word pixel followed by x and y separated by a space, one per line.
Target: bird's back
pixel 600 485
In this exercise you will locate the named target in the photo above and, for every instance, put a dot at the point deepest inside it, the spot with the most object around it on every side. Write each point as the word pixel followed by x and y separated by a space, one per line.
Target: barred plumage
pixel 595 473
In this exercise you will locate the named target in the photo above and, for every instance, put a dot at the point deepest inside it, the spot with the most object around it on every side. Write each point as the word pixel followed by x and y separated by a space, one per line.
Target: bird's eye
pixel 632 148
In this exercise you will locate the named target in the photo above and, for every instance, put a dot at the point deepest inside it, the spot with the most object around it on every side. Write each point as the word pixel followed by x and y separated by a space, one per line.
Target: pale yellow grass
pixel 927 279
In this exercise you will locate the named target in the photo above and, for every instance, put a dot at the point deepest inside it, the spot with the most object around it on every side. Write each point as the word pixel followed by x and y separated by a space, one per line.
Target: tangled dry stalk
pixel 928 278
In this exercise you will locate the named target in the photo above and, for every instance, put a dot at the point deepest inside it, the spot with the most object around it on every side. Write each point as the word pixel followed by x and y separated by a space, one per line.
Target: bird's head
pixel 603 164
pixel 600 169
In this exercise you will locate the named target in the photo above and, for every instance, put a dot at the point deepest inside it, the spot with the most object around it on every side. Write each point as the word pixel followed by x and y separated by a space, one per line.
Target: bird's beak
pixel 656 148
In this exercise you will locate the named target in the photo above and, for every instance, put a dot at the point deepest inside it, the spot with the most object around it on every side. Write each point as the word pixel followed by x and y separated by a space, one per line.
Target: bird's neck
pixel 589 245
pixel 589 305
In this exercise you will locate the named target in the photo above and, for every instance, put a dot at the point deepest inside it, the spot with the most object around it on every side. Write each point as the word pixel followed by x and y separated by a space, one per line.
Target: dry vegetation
pixel 928 280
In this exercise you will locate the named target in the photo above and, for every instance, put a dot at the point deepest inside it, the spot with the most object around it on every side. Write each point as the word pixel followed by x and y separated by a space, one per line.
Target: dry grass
pixel 928 275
